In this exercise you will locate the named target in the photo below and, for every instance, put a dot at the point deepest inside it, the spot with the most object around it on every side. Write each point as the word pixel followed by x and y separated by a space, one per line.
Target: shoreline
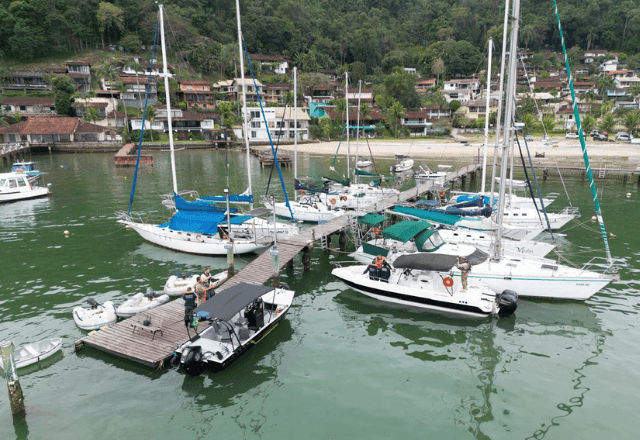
pixel 623 155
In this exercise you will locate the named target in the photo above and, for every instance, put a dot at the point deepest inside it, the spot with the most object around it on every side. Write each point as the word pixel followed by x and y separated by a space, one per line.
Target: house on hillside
pixel 271 63
pixel 592 56
pixel 134 90
pixel 461 89
pixel 476 108
pixel 52 129
pixel 80 72
pixel 418 123
pixel 142 67
pixel 183 122
pixel 101 107
pixel 280 122
pixel 364 95
pixel 368 122
pixel 27 106
pixel 232 89
pixel 276 92
pixel 26 81
pixel 197 94
pixel 321 93
pixel 423 85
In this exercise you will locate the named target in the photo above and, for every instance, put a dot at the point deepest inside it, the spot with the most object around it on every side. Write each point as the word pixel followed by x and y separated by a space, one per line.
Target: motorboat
pixel 425 173
pixel 141 302
pixel 96 316
pixel 403 165
pixel 239 317
pixel 30 354
pixel 364 163
pixel 20 186
pixel 28 168
pixel 310 208
pixel 421 280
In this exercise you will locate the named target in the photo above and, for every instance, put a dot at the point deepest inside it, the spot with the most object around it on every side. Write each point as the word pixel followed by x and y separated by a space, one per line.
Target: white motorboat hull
pixel 30 354
pixel 193 243
pixel 402 166
pixel 477 301
pixel 15 196
pixel 92 319
pixel 140 303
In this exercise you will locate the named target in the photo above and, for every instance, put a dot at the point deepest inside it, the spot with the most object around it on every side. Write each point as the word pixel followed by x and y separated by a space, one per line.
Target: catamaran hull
pixel 192 243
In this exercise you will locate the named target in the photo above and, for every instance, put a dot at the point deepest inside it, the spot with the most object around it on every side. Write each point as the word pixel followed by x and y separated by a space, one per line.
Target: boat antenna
pixel 144 118
pixel 486 122
pixel 358 128
pixel 585 155
pixel 245 119
pixel 165 74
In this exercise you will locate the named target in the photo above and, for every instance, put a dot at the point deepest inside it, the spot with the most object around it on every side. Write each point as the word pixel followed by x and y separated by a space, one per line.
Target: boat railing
pixel 603 266
pixel 571 210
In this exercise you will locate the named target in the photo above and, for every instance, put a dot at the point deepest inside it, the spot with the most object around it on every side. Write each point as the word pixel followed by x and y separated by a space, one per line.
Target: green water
pixel 341 365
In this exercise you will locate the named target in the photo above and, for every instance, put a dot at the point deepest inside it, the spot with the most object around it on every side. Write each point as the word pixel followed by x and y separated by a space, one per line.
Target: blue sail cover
pixel 199 205
pixel 201 222
pixel 234 198
pixel 463 198
pixel 436 217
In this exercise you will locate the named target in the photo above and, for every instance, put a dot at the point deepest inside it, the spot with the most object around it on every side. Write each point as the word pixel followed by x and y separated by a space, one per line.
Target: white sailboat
pixel 197 232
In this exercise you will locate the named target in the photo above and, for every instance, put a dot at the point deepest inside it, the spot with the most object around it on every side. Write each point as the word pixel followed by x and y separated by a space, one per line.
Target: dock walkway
pixel 143 347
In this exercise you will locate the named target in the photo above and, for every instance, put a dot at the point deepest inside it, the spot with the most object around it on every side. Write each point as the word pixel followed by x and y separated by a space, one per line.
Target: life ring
pixel 448 282
pixel 343 198
pixel 376 231
pixel 301 191
pixel 333 201
pixel 442 194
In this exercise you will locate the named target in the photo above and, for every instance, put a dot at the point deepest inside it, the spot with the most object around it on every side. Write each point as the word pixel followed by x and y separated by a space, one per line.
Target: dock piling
pixel 275 259
pixel 16 399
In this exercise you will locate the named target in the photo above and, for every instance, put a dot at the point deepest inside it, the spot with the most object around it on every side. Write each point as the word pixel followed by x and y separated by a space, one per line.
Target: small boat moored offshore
pixel 20 186
pixel 240 316
pixel 177 284
pixel 31 353
pixel 141 302
pixel 96 316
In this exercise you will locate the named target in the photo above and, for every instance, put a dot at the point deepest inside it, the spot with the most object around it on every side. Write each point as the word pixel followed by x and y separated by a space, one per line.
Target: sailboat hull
pixel 192 243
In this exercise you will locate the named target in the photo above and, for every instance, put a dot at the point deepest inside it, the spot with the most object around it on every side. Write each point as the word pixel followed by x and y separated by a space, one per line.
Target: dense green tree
pixel 588 123
pixel 63 90
pixel 401 86
pixel 111 20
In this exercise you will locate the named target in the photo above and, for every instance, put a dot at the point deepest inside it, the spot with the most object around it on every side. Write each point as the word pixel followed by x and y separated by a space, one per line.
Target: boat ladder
pixel 355 227
pixel 602 174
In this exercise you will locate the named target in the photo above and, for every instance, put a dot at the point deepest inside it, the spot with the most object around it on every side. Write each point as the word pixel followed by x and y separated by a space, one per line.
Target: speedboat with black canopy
pixel 423 280
pixel 240 316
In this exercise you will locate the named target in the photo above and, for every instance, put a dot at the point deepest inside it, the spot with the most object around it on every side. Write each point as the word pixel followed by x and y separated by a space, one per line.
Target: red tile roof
pixel 51 125
pixel 28 101
pixel 194 83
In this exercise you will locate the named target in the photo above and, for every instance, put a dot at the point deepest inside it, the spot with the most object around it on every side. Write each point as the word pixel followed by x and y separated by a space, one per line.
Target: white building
pixel 280 122
pixel 461 89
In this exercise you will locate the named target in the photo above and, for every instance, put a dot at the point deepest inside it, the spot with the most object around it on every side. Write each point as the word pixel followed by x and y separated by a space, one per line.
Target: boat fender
pixel 376 231
pixel 447 281
pixel 508 302
pixel 343 198
pixel 333 201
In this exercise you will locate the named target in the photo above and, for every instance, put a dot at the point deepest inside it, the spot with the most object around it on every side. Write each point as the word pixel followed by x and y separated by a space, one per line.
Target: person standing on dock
pixel 200 291
pixel 464 267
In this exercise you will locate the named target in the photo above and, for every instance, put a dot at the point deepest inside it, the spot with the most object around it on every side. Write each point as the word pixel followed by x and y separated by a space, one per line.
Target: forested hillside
pixel 315 33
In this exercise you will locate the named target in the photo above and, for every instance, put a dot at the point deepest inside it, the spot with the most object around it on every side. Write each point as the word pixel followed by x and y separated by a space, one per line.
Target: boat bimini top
pixel 225 304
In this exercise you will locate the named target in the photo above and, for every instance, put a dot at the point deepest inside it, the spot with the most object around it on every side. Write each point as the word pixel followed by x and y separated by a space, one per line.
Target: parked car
pixel 600 137
pixel 528 138
pixel 622 136
pixel 571 135
pixel 594 132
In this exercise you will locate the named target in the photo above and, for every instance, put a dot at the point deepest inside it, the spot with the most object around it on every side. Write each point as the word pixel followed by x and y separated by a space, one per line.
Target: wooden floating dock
pixel 156 350
pixel 598 173
pixel 124 157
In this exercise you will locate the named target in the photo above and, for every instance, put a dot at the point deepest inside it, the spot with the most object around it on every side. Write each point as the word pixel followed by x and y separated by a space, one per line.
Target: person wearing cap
pixel 206 277
pixel 464 267
pixel 189 298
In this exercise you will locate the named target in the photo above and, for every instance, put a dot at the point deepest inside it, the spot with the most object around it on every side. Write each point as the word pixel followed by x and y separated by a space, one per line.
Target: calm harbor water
pixel 341 364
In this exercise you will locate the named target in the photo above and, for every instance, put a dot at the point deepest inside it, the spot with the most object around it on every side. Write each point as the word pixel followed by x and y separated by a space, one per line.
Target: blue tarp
pixel 428 215
pixel 201 222
pixel 198 205
pixel 232 199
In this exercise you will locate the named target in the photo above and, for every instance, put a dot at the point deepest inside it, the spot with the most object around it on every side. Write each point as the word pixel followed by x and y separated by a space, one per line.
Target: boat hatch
pixel 549 266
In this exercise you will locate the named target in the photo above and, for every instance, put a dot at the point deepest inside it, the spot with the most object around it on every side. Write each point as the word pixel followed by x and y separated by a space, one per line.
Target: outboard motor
pixel 93 303
pixel 384 273
pixel 191 360
pixel 508 302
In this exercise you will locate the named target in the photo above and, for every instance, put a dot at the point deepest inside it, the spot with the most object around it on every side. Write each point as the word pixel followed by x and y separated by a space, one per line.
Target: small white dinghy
pixel 96 316
pixel 141 302
pixel 32 353
pixel 176 284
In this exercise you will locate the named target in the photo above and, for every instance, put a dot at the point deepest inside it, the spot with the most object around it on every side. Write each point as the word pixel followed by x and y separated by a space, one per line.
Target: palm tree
pixel 529 122
pixel 151 117
pixel 608 123
pixel 109 72
pixel 394 113
pixel 588 123
pixel 631 120
pixel 549 122
pixel 603 84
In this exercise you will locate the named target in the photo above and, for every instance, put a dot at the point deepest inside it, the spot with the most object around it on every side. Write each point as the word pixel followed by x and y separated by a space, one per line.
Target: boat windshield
pixel 433 243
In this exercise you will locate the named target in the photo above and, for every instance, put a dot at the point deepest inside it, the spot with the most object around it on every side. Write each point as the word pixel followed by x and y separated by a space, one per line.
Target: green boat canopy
pixel 437 217
pixel 371 219
pixel 405 230
pixel 422 238
pixel 364 173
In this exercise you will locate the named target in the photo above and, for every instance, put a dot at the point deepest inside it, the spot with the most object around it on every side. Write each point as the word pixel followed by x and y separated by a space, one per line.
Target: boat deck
pixel 155 350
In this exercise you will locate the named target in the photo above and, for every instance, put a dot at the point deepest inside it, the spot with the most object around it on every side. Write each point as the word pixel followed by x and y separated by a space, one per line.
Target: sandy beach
pixel 623 155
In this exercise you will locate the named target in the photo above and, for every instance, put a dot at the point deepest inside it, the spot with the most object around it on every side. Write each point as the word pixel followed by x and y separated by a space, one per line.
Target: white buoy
pixel 628 195
pixel 66 232
pixel 593 219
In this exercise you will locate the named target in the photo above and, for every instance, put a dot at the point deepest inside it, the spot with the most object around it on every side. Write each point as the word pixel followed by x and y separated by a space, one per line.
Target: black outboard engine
pixel 384 273
pixel 93 303
pixel 191 360
pixel 508 302
pixel 255 315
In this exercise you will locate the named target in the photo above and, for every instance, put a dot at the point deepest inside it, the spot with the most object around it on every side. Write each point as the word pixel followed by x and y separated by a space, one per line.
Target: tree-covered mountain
pixel 376 34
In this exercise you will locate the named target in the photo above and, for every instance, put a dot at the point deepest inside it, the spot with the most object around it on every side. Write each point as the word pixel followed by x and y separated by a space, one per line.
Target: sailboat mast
pixel 499 117
pixel 486 122
pixel 295 127
pixel 358 129
pixel 346 98
pixel 585 156
pixel 508 125
pixel 245 119
pixel 168 100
